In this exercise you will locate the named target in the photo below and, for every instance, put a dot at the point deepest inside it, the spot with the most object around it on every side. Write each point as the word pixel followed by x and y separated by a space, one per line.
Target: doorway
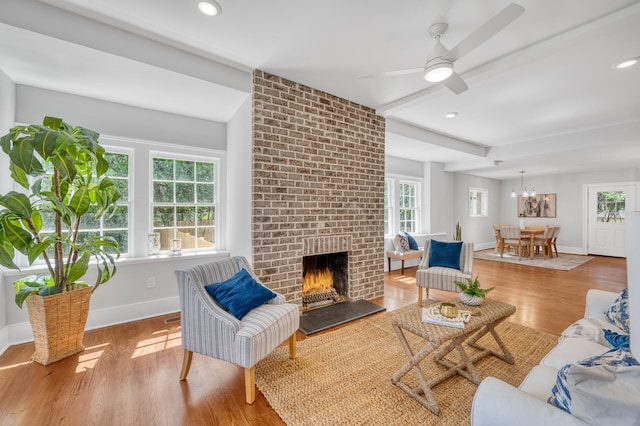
pixel 606 207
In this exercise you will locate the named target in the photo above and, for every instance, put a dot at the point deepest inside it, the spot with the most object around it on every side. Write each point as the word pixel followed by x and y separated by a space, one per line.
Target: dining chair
pixel 496 233
pixel 556 232
pixel 513 239
pixel 544 242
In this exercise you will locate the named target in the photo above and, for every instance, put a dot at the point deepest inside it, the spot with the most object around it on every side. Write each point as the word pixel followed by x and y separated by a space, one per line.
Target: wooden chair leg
pixel 186 364
pixel 292 346
pixel 250 384
pixel 419 296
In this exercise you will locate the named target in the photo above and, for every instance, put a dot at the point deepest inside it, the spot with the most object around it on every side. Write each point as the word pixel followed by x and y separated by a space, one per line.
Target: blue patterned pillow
pixel 618 313
pixel 413 244
pixel 240 294
pixel 401 242
pixel 599 389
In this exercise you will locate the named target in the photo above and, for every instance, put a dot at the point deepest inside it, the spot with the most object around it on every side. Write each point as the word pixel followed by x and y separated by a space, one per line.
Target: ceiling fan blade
pixel 393 73
pixel 485 32
pixel 455 83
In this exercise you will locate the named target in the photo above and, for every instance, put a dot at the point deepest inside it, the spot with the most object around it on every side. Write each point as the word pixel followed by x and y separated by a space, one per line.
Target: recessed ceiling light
pixel 451 114
pixel 210 8
pixel 626 63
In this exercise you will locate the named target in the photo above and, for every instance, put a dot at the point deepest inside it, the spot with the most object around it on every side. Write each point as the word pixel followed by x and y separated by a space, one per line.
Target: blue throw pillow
pixel 444 254
pixel 616 340
pixel 413 244
pixel 240 294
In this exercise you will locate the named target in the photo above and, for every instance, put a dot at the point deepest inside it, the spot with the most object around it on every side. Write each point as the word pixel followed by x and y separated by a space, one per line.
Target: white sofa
pixel 497 403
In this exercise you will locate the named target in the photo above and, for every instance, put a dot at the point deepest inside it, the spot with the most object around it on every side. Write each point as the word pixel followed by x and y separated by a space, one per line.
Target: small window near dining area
pixel 478 202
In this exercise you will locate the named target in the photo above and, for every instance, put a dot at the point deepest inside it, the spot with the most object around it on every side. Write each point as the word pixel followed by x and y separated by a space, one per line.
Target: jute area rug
pixel 564 262
pixel 343 377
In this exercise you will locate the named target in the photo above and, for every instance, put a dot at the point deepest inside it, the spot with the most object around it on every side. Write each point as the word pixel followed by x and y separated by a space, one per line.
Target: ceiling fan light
pixel 438 72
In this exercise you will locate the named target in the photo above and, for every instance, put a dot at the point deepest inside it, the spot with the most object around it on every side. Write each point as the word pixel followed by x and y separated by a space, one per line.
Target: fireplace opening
pixel 325 279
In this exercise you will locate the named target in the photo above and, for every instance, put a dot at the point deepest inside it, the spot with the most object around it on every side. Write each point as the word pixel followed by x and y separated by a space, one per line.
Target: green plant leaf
pixel 22 295
pixel 64 164
pixel 49 291
pixel 79 268
pixel 23 156
pixel 19 176
pixel 53 122
pixel 17 203
pixel 17 236
pixel 81 201
pixel 6 258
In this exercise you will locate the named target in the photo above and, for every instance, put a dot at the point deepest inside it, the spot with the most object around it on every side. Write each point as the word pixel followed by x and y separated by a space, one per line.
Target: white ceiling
pixel 542 94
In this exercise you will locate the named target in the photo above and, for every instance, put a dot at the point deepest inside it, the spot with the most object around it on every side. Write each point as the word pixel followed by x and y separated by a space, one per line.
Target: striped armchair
pixel 443 278
pixel 209 330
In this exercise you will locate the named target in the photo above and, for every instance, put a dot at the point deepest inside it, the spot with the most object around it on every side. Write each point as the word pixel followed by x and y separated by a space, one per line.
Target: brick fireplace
pixel 318 186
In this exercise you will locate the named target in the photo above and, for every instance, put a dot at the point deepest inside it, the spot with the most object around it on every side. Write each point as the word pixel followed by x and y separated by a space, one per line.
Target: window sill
pixel 124 261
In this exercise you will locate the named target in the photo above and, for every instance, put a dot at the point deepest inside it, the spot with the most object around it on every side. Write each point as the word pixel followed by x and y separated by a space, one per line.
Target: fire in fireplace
pixel 325 279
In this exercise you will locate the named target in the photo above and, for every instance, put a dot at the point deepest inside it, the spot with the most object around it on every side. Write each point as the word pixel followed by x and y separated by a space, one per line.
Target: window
pixel 408 207
pixel 611 206
pixel 183 200
pixel 478 202
pixel 401 205
pixel 388 205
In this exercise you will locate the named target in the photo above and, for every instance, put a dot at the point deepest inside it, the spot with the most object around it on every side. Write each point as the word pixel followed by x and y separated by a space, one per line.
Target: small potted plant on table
pixel 62 170
pixel 472 294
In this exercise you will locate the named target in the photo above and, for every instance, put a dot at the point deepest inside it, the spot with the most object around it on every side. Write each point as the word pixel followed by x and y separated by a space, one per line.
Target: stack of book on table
pixel 431 315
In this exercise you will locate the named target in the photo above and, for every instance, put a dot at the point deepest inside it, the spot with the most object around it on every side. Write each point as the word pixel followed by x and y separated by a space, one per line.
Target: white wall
pixel 126 296
pixel 109 118
pixel 402 166
pixel 569 198
pixel 239 179
pixel 478 230
pixel 7 119
pixel 439 191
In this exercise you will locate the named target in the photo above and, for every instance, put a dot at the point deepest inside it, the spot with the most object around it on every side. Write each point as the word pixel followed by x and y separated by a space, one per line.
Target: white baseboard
pixel 21 333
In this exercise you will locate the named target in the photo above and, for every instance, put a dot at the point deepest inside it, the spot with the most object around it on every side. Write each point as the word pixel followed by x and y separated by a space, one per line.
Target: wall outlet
pixel 151 282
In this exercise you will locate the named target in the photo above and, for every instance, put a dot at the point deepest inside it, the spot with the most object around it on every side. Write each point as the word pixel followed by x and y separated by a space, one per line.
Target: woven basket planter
pixel 58 323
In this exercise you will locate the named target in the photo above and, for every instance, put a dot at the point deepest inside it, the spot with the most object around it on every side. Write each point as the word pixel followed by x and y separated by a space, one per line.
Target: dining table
pixel 532 232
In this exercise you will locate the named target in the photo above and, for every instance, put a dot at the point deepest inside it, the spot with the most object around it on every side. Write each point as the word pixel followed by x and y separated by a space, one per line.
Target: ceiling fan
pixel 439 64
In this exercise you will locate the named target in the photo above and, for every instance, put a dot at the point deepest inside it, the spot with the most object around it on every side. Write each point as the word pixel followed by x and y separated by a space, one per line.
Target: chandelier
pixel 523 189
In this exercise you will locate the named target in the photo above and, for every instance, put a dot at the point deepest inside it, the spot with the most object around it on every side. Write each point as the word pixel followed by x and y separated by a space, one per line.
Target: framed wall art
pixel 539 205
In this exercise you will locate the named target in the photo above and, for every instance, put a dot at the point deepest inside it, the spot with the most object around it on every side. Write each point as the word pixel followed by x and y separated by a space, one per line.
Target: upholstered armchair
pixel 443 278
pixel 210 330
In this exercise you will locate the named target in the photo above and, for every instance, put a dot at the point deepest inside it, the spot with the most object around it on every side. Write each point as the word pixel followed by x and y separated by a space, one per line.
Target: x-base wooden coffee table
pixel 486 317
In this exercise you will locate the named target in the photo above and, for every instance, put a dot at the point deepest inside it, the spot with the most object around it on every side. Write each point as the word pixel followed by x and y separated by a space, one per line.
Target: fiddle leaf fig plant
pixel 62 170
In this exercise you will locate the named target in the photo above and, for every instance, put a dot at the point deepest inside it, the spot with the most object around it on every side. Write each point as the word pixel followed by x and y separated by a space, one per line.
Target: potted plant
pixel 471 293
pixel 62 170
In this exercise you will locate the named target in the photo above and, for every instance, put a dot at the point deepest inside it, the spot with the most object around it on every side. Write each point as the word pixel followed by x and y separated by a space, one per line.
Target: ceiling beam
pixel 423 135
pixel 57 23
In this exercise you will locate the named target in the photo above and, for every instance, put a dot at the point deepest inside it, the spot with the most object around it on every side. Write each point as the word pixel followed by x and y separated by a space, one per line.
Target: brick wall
pixel 318 181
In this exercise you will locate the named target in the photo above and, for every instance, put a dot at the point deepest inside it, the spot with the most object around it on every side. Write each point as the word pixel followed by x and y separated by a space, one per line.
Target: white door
pixel 607 205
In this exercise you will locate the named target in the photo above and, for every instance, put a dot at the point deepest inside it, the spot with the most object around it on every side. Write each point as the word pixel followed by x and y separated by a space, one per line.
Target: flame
pixel 319 281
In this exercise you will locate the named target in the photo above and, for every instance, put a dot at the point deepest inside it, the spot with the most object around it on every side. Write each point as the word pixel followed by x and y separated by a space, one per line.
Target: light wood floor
pixel 128 375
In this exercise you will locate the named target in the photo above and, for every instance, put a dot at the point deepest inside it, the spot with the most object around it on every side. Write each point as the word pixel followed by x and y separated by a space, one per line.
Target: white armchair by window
pixel 210 330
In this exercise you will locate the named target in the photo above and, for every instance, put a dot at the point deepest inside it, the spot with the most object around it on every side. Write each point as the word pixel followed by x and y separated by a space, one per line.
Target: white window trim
pixel 395 194
pixel 484 208
pixel 216 201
